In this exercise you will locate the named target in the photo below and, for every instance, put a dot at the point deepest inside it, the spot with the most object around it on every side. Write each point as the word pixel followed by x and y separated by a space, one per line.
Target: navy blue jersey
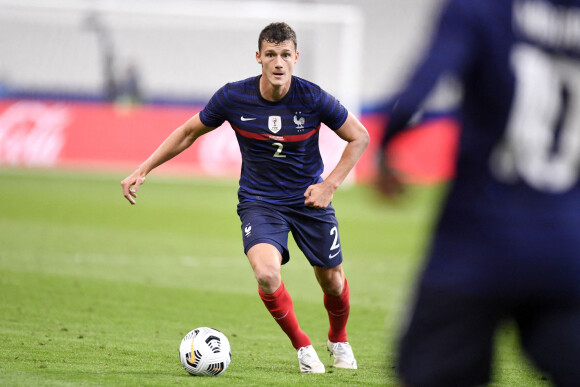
pixel 278 140
pixel 512 214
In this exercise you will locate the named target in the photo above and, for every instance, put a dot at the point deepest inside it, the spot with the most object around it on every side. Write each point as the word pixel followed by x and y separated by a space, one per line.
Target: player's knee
pixel 333 285
pixel 268 278
pixel 331 280
pixel 333 288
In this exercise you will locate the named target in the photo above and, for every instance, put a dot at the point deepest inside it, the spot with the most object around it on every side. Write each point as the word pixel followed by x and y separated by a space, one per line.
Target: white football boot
pixel 342 353
pixel 309 361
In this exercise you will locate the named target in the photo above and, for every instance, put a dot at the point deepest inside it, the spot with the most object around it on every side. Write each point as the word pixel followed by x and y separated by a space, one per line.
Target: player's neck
pixel 272 92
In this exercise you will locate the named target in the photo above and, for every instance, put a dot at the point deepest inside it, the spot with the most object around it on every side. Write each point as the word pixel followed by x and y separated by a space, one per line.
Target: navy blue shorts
pixel 315 230
pixel 449 339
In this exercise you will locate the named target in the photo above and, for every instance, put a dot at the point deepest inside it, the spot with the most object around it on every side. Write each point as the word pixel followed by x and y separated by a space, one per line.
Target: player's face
pixel 277 62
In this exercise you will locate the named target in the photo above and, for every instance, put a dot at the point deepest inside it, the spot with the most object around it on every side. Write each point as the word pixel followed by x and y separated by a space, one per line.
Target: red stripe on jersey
pixel 267 136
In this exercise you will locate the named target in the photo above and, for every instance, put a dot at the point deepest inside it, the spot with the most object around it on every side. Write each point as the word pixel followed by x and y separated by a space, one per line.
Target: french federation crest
pixel 274 123
pixel 299 121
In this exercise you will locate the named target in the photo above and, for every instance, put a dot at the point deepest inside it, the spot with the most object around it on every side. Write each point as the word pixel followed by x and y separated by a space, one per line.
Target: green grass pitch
pixel 96 292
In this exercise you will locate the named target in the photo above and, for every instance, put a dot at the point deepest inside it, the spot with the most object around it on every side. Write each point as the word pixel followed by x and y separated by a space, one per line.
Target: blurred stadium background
pixel 98 84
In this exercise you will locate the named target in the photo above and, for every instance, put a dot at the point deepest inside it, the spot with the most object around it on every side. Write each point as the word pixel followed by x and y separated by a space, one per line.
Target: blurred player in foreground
pixel 507 242
pixel 277 117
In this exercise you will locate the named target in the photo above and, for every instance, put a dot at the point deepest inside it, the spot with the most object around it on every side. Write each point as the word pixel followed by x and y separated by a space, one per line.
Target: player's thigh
pixel 448 340
pixel 551 337
pixel 265 255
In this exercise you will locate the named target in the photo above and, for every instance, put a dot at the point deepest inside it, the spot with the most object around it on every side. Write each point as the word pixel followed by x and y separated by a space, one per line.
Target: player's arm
pixel 452 51
pixel 357 138
pixel 174 144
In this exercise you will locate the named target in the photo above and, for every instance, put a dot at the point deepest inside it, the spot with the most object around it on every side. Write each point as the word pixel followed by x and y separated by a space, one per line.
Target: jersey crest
pixel 299 121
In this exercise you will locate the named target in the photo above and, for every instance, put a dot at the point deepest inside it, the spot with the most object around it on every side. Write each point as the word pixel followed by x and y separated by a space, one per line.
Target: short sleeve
pixel 332 113
pixel 212 115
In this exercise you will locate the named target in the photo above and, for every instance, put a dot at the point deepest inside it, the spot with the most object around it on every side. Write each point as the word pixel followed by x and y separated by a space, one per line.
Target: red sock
pixel 280 306
pixel 338 308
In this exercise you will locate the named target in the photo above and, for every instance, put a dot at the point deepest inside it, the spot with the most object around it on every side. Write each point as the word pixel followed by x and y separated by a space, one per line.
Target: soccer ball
pixel 205 352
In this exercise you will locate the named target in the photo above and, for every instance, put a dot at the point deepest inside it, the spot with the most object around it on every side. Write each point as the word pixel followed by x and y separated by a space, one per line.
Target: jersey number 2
pixel 278 152
pixel 335 244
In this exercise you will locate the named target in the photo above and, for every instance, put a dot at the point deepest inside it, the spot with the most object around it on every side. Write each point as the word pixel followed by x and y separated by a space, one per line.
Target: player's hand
pixel 319 195
pixel 131 185
pixel 389 182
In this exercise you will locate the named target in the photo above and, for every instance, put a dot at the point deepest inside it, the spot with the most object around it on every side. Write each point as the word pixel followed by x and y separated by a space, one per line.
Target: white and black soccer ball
pixel 205 352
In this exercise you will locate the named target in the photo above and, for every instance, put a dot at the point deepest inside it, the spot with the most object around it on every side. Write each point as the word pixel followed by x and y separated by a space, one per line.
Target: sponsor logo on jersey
pixel 274 123
pixel 247 118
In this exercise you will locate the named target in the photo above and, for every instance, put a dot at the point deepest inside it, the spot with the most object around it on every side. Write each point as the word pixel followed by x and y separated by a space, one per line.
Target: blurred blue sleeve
pixel 452 49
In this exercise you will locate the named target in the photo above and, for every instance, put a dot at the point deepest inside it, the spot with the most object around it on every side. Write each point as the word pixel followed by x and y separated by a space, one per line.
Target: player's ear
pixel 297 55
pixel 258 59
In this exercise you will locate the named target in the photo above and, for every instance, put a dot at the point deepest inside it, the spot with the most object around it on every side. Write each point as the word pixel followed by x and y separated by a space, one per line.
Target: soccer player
pixel 276 118
pixel 507 241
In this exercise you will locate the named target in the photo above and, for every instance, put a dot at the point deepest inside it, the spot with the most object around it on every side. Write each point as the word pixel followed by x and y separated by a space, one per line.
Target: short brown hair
pixel 277 33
